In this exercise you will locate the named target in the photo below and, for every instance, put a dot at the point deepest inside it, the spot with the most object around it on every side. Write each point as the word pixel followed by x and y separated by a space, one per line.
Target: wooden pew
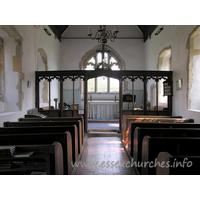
pixel 130 118
pixel 49 156
pixel 64 138
pixel 177 165
pixel 152 120
pixel 152 146
pixel 47 129
pixel 140 133
pixel 49 123
pixel 57 119
pixel 133 125
pixel 127 119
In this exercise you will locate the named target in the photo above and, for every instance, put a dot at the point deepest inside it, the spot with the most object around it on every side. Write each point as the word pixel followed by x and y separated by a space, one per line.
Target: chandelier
pixel 103 35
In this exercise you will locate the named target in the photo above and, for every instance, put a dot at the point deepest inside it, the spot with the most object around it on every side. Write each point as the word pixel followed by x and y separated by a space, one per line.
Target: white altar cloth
pixel 103 109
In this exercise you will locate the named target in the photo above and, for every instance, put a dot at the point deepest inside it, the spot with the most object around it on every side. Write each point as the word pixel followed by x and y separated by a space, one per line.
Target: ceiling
pixel 143 31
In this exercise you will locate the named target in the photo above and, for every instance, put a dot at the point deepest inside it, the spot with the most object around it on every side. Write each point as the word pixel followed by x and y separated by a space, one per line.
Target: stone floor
pixel 104 156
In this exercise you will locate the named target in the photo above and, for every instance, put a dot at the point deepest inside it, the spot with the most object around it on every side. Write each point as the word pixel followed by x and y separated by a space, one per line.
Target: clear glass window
pixel 102 84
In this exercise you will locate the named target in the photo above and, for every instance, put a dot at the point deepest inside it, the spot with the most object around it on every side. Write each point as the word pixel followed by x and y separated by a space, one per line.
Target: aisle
pixel 104 156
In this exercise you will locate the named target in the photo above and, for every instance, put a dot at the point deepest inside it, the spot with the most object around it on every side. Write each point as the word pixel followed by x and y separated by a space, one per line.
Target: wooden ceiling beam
pixel 58 30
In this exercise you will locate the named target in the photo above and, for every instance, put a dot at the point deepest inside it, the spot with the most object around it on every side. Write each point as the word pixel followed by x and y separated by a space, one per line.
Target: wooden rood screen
pixel 75 76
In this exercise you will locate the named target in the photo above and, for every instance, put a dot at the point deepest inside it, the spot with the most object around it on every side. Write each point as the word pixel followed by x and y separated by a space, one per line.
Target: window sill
pixel 194 110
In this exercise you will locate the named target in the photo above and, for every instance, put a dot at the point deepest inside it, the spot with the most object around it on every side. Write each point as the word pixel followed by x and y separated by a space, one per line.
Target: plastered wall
pixel 20 64
pixel 177 38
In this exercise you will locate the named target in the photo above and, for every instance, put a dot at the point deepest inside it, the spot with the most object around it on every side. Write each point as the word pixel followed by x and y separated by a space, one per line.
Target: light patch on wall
pixel 19 88
pixel 44 67
pixel 1 56
pixel 193 45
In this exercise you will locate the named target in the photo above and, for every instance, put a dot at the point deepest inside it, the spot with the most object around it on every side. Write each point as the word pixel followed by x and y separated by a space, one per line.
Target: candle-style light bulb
pixel 89 31
pixel 116 29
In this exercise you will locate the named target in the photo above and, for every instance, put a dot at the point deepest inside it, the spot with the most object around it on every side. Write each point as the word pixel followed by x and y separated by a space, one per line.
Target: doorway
pixel 103 104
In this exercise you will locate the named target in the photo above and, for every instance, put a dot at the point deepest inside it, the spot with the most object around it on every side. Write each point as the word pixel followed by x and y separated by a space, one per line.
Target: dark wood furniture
pixel 152 146
pixel 140 133
pixel 177 164
pixel 77 123
pixel 127 119
pixel 48 129
pixel 154 126
pixel 46 159
pixel 153 120
pixel 64 138
pixel 122 75
pixel 58 119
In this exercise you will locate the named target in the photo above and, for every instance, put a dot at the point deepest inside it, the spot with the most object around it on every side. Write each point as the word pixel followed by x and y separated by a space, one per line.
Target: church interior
pixel 99 99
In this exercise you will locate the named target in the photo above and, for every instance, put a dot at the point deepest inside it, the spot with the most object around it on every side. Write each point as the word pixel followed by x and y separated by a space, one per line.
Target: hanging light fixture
pixel 103 35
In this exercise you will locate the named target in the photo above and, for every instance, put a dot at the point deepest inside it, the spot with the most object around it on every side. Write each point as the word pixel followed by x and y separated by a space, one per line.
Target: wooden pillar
pixel 49 96
pixel 120 105
pixel 170 97
pixel 86 104
pixel 145 95
pixel 37 91
pixel 61 96
pixel 157 94
pixel 133 95
pixel 73 98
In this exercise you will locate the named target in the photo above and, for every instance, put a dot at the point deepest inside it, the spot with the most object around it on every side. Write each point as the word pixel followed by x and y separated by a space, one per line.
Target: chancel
pixel 98 92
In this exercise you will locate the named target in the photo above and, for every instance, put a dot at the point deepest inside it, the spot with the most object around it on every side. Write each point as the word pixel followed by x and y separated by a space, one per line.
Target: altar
pixel 103 109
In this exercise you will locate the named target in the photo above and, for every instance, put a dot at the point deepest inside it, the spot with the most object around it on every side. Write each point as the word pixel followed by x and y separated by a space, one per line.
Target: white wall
pixel 33 38
pixel 177 37
pixel 130 50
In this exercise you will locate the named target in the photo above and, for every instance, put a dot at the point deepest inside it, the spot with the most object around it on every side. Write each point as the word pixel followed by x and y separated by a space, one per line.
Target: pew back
pixel 140 133
pixel 133 125
pixel 49 123
pixel 43 138
pixel 58 119
pixel 53 153
pixel 152 120
pixel 128 118
pixel 152 146
pixel 177 165
pixel 47 129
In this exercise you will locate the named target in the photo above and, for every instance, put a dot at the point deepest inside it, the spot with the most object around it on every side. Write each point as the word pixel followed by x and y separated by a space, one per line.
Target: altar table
pixel 103 109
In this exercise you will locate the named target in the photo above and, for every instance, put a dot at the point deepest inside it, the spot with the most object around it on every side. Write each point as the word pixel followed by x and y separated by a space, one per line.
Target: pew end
pixel 163 159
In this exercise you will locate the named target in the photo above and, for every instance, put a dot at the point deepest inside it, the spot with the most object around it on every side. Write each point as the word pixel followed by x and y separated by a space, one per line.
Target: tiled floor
pixel 104 156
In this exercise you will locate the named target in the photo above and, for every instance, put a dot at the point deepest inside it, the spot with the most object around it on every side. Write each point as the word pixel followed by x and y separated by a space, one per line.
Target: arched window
pixel 102 84
pixel 164 64
pixel 194 70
